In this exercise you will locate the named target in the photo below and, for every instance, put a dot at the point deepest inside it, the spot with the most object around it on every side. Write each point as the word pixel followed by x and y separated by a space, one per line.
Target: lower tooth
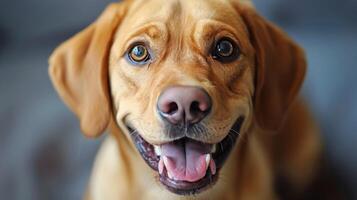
pixel 170 176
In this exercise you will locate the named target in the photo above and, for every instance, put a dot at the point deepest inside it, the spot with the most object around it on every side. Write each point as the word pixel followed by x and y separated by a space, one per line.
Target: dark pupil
pixel 225 48
pixel 139 51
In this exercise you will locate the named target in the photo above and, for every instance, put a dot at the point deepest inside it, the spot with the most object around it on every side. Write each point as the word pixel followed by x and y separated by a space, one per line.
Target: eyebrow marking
pixel 154 30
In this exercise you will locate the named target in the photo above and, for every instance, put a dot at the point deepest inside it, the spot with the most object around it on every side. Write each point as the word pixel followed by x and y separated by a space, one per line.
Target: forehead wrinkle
pixel 176 32
pixel 181 27
pixel 206 30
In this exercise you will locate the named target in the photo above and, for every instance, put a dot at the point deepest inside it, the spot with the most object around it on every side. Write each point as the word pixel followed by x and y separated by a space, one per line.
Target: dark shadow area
pixel 328 185
pixel 4 38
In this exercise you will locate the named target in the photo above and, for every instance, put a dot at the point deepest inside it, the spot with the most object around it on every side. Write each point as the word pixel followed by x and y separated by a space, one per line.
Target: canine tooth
pixel 165 163
pixel 208 159
pixel 165 159
pixel 157 150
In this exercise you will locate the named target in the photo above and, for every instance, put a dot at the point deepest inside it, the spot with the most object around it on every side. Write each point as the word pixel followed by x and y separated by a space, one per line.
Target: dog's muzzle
pixel 187 166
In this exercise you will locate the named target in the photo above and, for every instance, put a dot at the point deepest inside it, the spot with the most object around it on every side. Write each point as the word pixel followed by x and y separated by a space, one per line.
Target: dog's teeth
pixel 214 148
pixel 157 150
pixel 208 159
pixel 170 176
pixel 165 159
pixel 165 163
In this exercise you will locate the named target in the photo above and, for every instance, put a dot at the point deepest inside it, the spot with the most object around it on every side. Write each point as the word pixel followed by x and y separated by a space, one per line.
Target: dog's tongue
pixel 186 160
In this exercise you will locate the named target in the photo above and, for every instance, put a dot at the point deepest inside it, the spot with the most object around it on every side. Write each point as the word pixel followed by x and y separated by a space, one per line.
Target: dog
pixel 200 97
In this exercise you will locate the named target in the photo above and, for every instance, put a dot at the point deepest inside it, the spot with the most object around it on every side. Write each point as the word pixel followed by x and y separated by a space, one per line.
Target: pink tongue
pixel 185 161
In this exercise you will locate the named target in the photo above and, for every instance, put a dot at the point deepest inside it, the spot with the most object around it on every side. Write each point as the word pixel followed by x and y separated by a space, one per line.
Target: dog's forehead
pixel 179 11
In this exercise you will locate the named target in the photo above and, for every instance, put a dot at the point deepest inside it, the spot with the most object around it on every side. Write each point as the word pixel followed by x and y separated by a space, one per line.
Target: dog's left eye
pixel 139 54
pixel 225 50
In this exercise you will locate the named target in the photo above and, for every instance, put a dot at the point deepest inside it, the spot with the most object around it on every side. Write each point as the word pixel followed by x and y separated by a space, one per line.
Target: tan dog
pixel 199 97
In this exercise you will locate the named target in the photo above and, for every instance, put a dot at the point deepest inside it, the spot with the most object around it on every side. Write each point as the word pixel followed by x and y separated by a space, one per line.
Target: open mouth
pixel 187 166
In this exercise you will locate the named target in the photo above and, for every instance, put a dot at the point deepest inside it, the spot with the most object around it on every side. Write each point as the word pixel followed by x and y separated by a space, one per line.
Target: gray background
pixel 44 156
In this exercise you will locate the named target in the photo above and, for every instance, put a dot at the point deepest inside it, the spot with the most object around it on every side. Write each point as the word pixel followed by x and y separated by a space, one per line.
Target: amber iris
pixel 139 53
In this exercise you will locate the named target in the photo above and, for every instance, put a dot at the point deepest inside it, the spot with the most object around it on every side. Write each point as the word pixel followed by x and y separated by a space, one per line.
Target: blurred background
pixel 42 152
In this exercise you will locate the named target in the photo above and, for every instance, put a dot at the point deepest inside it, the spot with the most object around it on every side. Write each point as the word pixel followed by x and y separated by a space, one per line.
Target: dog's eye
pixel 225 50
pixel 139 54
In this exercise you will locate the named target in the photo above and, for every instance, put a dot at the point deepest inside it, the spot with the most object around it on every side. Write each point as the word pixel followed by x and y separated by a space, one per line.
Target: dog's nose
pixel 184 104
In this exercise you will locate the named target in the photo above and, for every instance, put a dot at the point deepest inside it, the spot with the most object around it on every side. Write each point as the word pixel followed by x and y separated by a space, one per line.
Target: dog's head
pixel 182 79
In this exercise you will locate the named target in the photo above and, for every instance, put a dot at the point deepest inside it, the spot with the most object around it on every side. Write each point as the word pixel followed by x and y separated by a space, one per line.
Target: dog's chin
pixel 218 154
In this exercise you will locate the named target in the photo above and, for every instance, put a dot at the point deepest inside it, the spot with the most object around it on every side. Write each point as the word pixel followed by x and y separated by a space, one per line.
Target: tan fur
pixel 104 90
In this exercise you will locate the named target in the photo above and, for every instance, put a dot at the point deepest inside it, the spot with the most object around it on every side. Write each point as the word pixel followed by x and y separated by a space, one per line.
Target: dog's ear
pixel 79 71
pixel 280 69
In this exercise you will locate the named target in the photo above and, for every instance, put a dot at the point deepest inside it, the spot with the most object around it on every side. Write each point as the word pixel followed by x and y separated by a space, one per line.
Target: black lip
pixel 223 150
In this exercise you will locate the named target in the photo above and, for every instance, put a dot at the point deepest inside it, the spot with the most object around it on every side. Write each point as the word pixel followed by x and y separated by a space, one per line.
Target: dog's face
pixel 182 80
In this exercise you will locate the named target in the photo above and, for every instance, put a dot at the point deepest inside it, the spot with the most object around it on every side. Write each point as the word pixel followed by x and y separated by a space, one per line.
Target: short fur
pixel 278 137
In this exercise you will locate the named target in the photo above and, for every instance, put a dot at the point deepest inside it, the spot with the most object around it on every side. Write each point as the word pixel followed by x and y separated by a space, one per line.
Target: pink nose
pixel 184 104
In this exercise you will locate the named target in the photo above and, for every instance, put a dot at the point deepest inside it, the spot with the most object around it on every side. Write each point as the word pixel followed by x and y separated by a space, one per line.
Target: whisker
pixel 234 131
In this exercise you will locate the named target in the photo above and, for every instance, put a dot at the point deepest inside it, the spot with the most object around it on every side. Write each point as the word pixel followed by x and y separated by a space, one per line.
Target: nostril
pixel 195 108
pixel 172 108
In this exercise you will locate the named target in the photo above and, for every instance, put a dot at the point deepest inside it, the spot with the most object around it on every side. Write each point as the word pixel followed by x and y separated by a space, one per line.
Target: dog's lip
pixel 147 151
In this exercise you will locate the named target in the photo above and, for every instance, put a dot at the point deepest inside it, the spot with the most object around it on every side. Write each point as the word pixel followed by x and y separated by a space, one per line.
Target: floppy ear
pixel 79 71
pixel 280 69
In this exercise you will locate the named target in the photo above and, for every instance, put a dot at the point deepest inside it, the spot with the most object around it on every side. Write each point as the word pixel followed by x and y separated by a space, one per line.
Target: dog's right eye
pixel 139 54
